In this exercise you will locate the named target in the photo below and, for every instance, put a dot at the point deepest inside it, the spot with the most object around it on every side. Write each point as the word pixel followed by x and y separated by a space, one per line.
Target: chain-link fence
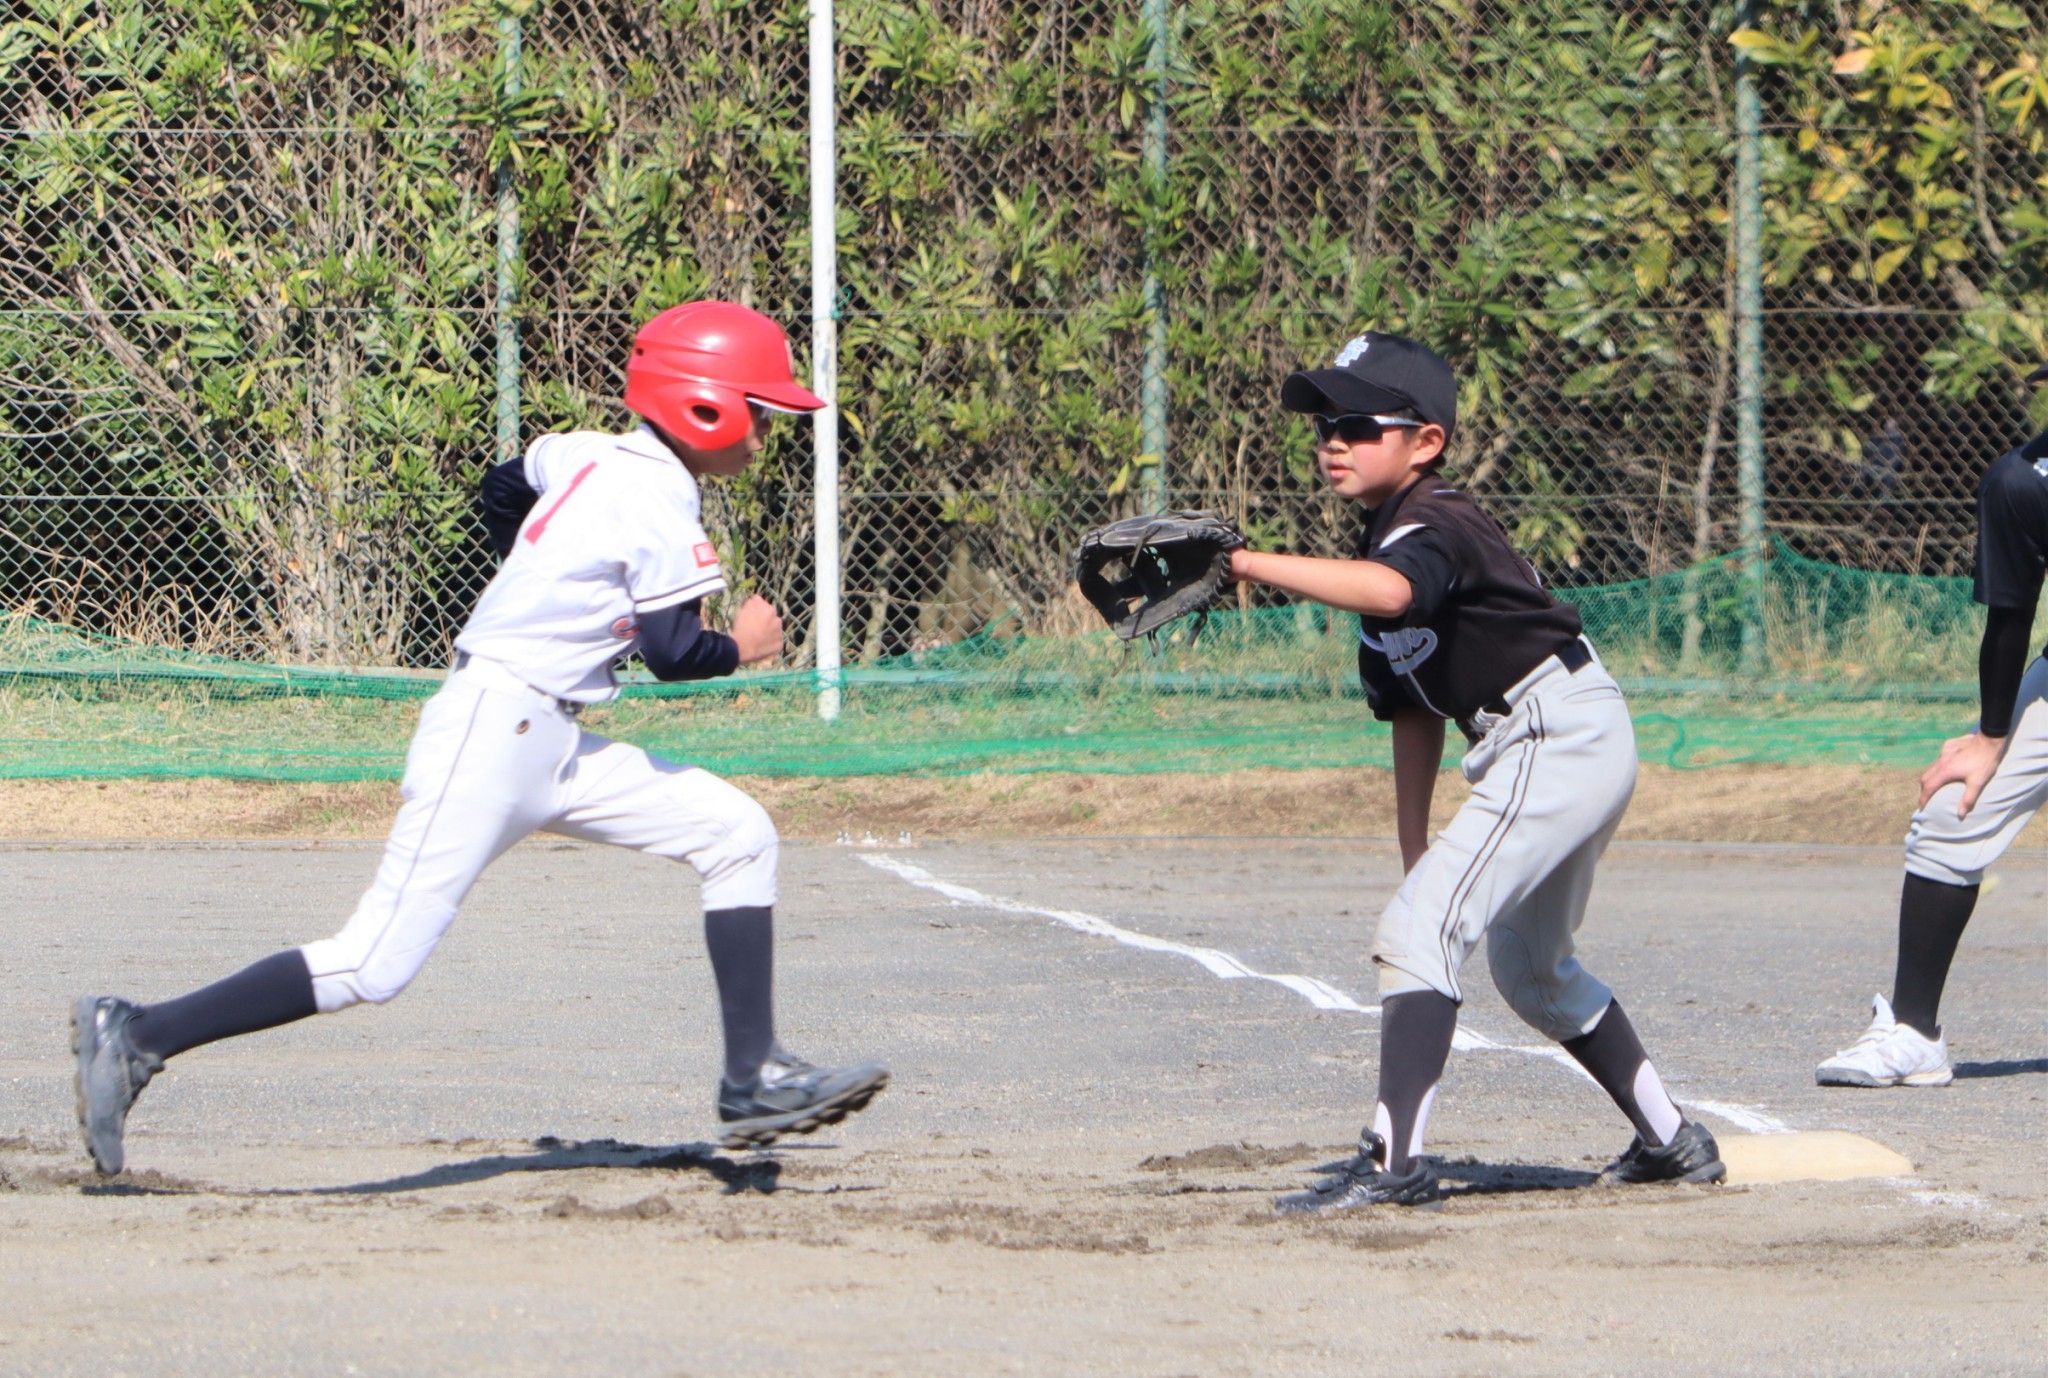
pixel 249 356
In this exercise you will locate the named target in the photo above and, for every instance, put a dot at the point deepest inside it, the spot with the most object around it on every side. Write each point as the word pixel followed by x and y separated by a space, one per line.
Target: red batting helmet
pixel 696 367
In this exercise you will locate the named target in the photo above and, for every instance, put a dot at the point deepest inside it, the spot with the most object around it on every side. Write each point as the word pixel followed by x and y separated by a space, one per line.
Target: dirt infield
pixel 506 1171
pixel 1799 804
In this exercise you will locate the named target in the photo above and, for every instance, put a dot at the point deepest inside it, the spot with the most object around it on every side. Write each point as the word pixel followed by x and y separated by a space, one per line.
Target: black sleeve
pixel 2012 533
pixel 2001 665
pixel 677 645
pixel 507 497
pixel 1425 558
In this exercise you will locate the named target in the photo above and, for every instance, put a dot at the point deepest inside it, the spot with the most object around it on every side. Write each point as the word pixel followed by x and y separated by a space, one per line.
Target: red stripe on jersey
pixel 533 533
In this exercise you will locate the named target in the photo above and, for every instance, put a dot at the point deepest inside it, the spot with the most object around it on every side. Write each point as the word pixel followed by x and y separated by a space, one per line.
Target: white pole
pixel 505 316
pixel 825 352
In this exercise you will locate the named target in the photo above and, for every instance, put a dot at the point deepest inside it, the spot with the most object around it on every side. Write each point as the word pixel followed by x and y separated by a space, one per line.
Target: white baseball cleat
pixel 1888 1054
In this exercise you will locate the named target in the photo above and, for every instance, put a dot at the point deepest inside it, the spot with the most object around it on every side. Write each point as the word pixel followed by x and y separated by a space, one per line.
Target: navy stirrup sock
pixel 1613 1055
pixel 262 995
pixel 742 946
pixel 1415 1041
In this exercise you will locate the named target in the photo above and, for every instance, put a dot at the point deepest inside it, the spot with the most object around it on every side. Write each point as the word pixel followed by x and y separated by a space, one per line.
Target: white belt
pixel 496 675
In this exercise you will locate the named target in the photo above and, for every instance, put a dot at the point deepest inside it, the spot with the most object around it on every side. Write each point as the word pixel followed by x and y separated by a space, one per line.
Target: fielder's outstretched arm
pixel 1365 586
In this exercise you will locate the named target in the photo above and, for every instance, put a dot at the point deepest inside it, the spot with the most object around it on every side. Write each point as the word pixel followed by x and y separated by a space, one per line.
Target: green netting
pixel 1852 667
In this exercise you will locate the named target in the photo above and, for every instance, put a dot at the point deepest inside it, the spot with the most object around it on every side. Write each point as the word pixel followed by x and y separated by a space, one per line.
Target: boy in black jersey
pixel 1455 626
pixel 1976 798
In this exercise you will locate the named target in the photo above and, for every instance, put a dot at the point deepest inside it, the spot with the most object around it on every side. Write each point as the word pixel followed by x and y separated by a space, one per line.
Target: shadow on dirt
pixel 1470 1177
pixel 738 1175
pixel 2022 1067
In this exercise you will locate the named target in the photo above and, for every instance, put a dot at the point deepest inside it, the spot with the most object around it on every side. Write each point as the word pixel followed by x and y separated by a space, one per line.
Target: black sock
pixel 1614 1056
pixel 1415 1042
pixel 742 946
pixel 262 995
pixel 1932 916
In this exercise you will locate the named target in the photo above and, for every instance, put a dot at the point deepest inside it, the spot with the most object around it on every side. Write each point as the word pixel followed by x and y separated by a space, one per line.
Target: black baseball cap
pixel 1382 373
pixel 2039 375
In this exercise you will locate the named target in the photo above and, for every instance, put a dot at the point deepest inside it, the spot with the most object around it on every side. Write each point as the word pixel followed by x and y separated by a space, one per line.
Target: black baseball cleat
pixel 1363 1182
pixel 111 1072
pixel 1691 1156
pixel 793 1097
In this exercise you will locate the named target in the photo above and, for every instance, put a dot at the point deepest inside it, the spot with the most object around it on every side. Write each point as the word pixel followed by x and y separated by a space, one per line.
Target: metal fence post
pixel 825 355
pixel 1749 350
pixel 508 448
pixel 1152 398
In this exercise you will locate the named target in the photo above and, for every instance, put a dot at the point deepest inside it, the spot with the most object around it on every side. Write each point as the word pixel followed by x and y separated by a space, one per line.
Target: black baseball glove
pixel 1143 572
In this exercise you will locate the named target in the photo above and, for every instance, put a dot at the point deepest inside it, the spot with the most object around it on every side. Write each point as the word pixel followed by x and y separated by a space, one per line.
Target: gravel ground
pixel 507 1171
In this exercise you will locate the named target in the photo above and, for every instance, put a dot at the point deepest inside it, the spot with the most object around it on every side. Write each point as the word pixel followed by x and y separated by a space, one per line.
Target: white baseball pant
pixel 494 760
pixel 1957 851
pixel 1550 782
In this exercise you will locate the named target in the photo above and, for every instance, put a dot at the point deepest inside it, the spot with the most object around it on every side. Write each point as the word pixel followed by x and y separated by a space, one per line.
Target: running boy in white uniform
pixel 605 556
pixel 1454 625
pixel 1981 792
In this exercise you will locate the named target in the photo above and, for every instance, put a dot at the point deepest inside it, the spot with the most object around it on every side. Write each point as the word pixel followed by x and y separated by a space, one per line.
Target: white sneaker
pixel 1888 1054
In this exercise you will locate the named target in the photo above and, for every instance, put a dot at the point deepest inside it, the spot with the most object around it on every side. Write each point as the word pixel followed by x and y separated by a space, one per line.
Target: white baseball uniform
pixel 499 753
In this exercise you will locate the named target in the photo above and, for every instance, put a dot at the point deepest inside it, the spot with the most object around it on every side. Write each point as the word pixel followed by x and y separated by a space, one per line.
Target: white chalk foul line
pixel 1747 1117
pixel 1319 993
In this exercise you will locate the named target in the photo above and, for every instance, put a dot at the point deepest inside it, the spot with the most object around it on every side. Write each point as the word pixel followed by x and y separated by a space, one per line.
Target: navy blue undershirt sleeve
pixel 507 498
pixel 2001 665
pixel 677 645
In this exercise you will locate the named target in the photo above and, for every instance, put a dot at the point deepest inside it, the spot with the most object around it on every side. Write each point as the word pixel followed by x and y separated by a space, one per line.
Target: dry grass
pixel 1766 803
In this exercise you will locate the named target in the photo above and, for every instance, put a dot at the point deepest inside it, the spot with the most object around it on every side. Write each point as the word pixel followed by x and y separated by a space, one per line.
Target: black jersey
pixel 1481 619
pixel 2012 527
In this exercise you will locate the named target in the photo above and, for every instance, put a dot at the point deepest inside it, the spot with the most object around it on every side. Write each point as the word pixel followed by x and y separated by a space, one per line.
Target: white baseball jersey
pixel 500 753
pixel 617 532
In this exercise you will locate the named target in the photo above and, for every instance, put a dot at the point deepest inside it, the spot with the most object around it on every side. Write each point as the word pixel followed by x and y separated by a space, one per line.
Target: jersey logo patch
pixel 625 629
pixel 1405 647
pixel 705 554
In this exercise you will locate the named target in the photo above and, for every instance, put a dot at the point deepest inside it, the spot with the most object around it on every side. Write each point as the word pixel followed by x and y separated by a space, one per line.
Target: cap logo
pixel 1354 351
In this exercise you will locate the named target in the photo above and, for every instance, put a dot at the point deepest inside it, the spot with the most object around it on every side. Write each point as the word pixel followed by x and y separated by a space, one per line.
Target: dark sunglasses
pixel 1356 428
